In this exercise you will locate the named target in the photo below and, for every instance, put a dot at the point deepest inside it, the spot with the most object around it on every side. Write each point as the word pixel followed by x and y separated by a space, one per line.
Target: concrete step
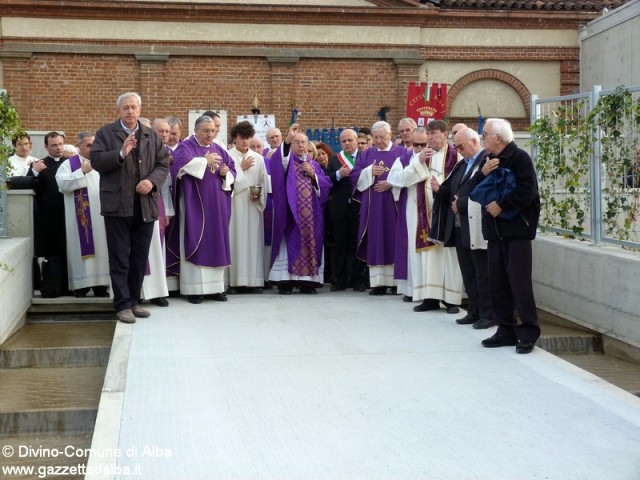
pixel 30 452
pixel 59 344
pixel 49 400
pixel 621 373
pixel 559 339
pixel 70 305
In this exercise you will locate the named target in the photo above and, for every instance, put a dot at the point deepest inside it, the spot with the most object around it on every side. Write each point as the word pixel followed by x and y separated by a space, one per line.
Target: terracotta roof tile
pixel 576 5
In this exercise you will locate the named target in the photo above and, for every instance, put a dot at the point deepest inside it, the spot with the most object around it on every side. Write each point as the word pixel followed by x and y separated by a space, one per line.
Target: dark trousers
pixel 475 275
pixel 128 242
pixel 510 268
pixel 349 270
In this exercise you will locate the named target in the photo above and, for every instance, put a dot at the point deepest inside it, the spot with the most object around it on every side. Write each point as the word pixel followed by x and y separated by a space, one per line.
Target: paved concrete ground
pixel 349 386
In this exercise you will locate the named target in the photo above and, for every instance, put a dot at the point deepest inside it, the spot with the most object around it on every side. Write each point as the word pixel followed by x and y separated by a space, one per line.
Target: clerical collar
pixel 56 159
pixel 387 148
pixel 127 130
pixel 198 142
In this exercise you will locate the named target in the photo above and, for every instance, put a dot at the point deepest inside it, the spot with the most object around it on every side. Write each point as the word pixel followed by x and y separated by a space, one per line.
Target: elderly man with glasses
pixel 509 240
pixel 464 227
pixel 433 274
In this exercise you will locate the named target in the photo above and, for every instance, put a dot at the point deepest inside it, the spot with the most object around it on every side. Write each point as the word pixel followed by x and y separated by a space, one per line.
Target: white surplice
pixel 246 229
pixel 20 165
pixel 154 284
pixel 92 270
pixel 433 272
pixel 196 280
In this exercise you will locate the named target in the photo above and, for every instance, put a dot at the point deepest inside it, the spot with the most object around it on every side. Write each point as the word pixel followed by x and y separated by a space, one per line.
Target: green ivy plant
pixel 564 142
pixel 9 128
pixel 618 118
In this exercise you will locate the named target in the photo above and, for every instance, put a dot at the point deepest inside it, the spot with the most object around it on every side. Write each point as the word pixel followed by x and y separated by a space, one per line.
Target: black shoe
pixel 284 290
pixel 255 290
pixel 484 323
pixel 101 292
pixel 466 320
pixel 308 290
pixel 232 290
pixel 394 291
pixel 161 302
pixel 499 340
pixel 426 305
pixel 359 288
pixel 338 288
pixel 219 297
pixel 81 292
pixel 407 299
pixel 525 346
pixel 268 286
pixel 378 291
pixel 196 299
pixel 451 308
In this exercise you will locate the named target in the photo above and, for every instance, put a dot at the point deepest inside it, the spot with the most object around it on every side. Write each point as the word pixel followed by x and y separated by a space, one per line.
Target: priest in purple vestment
pixel 300 190
pixel 376 234
pixel 206 174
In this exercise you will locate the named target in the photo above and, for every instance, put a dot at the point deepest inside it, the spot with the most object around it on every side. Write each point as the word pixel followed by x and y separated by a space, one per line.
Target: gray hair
pixel 173 121
pixel 408 120
pixel 203 119
pixel 468 134
pixel 158 121
pixel 126 95
pixel 145 121
pixel 501 128
pixel 84 135
pixel 419 130
pixel 381 125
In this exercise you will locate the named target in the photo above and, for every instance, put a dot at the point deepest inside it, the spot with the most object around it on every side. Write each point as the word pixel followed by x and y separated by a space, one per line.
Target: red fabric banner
pixel 426 102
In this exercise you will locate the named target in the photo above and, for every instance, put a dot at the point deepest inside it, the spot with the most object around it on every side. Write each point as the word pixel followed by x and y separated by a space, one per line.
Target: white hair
pixel 468 134
pixel 408 120
pixel 381 125
pixel 501 128
pixel 126 95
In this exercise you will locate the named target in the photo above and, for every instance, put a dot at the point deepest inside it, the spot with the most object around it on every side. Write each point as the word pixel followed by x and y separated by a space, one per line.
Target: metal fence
pixel 593 190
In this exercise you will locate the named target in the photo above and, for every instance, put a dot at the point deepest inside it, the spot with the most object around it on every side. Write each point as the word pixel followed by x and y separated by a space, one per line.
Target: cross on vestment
pixel 424 235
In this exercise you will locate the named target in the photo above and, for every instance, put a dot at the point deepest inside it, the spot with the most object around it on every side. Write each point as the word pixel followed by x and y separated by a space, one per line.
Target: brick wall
pixel 73 92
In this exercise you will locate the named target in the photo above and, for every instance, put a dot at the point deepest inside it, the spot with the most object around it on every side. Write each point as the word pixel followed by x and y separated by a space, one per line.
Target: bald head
pixel 349 141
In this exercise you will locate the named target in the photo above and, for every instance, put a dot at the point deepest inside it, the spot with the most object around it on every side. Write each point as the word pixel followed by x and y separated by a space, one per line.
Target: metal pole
pixel 597 186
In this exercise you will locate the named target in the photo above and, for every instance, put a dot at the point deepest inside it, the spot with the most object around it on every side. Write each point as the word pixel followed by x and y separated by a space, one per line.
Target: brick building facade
pixel 65 63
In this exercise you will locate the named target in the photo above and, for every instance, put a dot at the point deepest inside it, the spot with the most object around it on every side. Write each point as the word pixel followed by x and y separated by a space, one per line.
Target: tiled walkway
pixel 349 386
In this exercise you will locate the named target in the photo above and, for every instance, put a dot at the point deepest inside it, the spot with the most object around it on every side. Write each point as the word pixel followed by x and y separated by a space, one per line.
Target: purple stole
pixel 267 214
pixel 424 210
pixel 298 214
pixel 400 267
pixel 207 207
pixel 376 231
pixel 83 214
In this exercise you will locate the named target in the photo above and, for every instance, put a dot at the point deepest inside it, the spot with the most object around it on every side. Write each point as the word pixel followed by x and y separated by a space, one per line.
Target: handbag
pixel 494 188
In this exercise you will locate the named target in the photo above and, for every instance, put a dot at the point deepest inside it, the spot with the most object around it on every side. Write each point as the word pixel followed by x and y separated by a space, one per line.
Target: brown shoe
pixel 126 316
pixel 140 312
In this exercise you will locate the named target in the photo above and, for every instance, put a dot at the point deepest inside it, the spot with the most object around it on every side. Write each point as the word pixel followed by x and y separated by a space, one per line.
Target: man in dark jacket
pixel 509 241
pixel 463 227
pixel 133 164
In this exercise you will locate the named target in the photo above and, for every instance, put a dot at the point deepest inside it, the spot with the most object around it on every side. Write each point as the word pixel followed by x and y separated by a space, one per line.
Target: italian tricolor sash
pixel 346 159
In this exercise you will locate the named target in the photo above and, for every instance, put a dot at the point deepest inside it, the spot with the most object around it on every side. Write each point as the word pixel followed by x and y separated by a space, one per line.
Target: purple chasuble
pixel 172 233
pixel 400 267
pixel 298 213
pixel 207 207
pixel 267 213
pixel 427 218
pixel 376 233
pixel 83 214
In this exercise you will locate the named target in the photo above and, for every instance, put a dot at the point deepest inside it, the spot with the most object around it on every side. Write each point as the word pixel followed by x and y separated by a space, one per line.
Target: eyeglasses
pixel 461 146
pixel 423 145
pixel 486 134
